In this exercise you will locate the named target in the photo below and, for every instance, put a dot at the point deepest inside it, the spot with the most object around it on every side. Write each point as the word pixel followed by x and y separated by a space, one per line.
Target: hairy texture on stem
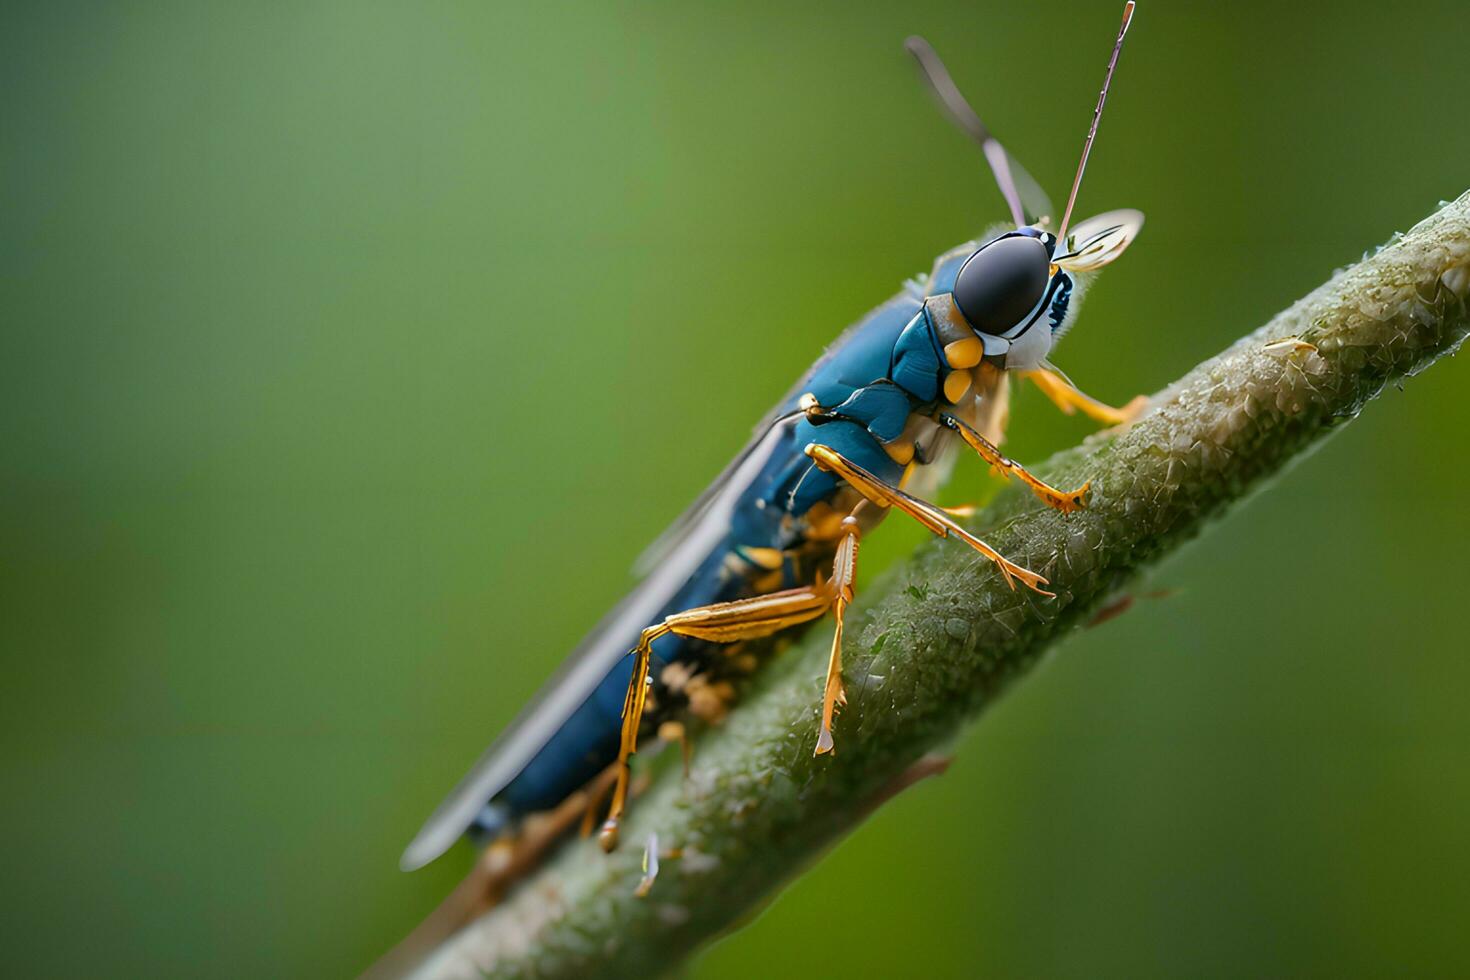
pixel 941 636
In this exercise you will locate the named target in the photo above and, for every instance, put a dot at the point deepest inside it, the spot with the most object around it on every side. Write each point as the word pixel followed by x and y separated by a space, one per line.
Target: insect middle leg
pixel 722 622
pixel 1068 398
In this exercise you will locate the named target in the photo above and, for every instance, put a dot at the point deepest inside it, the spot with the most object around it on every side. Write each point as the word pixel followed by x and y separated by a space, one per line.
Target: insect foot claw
pixel 607 836
pixel 1067 503
pixel 824 742
pixel 1030 579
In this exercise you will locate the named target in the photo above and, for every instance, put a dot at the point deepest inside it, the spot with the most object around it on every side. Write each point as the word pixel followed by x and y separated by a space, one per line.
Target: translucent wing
pixel 1100 239
pixel 666 542
pixel 589 663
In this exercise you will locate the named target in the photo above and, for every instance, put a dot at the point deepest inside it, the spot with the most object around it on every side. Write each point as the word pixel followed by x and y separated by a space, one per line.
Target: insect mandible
pixel 773 543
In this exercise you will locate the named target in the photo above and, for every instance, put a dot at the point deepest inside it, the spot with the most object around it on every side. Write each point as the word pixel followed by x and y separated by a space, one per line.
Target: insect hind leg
pixel 721 622
pixel 844 572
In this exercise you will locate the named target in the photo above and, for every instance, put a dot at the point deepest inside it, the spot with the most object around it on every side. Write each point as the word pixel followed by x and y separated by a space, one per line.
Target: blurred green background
pixel 350 353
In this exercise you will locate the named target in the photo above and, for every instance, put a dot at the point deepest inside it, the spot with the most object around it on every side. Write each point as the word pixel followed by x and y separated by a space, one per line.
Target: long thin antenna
pixel 948 94
pixel 1092 131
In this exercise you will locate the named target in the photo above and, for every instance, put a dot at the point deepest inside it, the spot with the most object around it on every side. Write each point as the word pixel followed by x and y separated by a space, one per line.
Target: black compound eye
pixel 1001 283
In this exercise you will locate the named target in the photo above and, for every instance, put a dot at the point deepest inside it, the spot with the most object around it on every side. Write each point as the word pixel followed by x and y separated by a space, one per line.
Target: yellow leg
pixel 933 517
pixel 1069 399
pixel 724 622
pixel 844 571
pixel 595 793
pixel 1064 501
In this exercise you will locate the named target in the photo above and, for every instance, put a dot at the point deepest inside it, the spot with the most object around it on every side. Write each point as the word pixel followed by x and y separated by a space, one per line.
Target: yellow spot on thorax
pixel 964 353
pixel 956 386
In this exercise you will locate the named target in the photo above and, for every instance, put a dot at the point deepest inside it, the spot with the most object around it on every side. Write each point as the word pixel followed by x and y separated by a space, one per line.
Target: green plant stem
pixel 757 807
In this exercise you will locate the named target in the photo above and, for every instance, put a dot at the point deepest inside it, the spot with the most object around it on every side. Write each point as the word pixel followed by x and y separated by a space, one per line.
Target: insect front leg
pixel 722 622
pixel 1069 399
pixel 935 518
pixel 1063 500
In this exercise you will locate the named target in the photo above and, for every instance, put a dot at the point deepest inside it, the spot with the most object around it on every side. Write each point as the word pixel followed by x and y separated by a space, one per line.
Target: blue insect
pixel 773 542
